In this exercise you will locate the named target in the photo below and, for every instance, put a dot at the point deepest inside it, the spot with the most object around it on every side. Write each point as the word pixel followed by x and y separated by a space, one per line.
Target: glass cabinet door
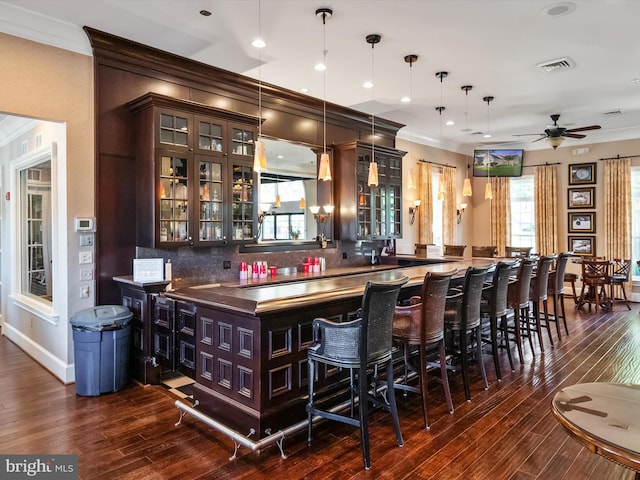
pixel 174 130
pixel 211 199
pixel 242 141
pixel 242 189
pixel 211 135
pixel 174 199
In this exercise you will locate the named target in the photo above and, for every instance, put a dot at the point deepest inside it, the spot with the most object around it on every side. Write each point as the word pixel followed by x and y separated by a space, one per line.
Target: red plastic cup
pixel 305 267
pixel 272 271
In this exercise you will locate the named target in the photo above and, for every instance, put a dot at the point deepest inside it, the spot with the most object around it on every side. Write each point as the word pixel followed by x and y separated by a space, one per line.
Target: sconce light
pixel 322 219
pixel 413 210
pixel 460 211
pixel 264 210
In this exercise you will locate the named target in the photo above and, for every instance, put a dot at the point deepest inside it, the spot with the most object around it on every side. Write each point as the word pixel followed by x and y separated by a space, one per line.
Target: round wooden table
pixel 605 417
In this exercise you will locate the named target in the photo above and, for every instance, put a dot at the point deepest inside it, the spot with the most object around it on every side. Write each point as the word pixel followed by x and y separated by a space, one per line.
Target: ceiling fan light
pixel 555 142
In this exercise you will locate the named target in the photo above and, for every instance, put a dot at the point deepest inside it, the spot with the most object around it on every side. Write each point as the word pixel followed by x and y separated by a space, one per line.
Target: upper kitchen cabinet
pixel 368 213
pixel 195 179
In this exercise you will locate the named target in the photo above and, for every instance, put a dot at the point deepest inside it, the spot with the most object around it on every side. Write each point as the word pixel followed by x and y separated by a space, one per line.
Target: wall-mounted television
pixel 497 163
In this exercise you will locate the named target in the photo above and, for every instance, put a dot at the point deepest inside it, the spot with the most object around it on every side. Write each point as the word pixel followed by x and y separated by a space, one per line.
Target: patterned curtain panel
pixel 617 208
pixel 425 212
pixel 500 213
pixel 545 194
pixel 448 177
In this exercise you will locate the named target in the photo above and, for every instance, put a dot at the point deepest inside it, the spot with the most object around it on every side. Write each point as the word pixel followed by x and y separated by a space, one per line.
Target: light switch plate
pixel 86 239
pixel 86 257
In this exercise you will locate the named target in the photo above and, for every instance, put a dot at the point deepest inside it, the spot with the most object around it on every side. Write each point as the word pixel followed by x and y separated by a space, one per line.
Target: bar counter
pixel 263 296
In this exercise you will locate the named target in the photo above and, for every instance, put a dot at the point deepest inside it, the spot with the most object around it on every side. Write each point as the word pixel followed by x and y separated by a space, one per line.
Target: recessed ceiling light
pixel 450 122
pixel 636 81
pixel 367 85
pixel 558 9
pixel 405 100
pixel 304 90
pixel 259 43
pixel 205 13
pixel 321 67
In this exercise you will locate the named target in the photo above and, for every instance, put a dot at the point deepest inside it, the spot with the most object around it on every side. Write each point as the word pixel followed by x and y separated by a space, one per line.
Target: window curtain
pixel 448 179
pixel 425 212
pixel 545 184
pixel 617 208
pixel 500 231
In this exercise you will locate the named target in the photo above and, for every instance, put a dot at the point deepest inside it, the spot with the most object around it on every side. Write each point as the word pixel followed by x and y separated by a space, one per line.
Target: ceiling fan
pixel 556 134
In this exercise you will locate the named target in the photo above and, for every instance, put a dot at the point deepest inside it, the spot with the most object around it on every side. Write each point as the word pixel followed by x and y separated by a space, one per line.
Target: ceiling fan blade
pixel 538 139
pixel 527 134
pixel 573 135
pixel 583 129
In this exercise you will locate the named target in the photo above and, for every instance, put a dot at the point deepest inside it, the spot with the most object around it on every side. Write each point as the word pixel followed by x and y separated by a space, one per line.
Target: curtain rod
pixel 618 157
pixel 436 163
pixel 541 164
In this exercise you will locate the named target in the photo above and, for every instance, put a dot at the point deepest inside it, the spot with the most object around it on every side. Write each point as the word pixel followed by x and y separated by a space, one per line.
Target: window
pixel 635 221
pixel 523 224
pixel 36 253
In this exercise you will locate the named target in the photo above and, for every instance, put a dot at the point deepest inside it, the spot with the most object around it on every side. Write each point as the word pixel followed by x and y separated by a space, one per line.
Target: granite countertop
pixel 255 297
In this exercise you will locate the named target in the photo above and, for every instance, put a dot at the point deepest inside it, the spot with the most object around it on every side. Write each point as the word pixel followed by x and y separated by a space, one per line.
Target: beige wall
pixel 53 84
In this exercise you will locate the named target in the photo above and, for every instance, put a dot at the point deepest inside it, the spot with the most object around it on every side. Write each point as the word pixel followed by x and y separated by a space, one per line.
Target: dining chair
pixel 454 250
pixel 494 307
pixel 620 271
pixel 420 249
pixel 518 301
pixel 517 251
pixel 360 345
pixel 462 317
pixel 538 297
pixel 485 251
pixel 595 279
pixel 421 325
pixel 555 289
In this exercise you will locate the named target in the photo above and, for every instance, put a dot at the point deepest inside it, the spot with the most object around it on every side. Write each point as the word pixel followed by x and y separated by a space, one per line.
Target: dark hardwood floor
pixel 505 432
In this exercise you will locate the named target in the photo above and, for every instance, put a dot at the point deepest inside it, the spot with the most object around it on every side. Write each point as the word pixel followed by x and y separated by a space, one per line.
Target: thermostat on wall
pixel 85 224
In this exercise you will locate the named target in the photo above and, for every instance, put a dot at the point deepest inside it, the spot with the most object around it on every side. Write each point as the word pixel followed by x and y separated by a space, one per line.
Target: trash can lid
pixel 101 317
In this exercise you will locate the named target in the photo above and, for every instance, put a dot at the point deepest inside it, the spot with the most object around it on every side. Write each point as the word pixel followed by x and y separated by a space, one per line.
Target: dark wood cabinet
pixel 368 213
pixel 195 179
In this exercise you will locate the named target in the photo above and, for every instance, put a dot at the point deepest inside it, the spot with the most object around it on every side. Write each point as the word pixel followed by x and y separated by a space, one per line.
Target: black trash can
pixel 101 348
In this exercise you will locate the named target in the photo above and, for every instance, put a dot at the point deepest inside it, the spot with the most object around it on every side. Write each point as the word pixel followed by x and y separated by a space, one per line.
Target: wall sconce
pixel 321 217
pixel 460 211
pixel 413 210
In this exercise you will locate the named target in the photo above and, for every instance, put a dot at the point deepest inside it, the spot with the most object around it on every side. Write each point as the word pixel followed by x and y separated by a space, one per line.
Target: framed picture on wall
pixel 580 173
pixel 583 245
pixel 581 197
pixel 582 222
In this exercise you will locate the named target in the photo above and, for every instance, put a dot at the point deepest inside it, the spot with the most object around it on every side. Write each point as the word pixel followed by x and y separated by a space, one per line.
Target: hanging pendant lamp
pixel 324 171
pixel 488 193
pixel 410 59
pixel 373 166
pixel 260 152
pixel 466 187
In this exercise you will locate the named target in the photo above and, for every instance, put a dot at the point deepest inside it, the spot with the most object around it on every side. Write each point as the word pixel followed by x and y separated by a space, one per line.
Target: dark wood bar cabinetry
pixel 195 179
pixel 368 213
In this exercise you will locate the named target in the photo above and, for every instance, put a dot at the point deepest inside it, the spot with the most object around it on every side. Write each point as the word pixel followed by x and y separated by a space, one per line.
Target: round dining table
pixel 604 417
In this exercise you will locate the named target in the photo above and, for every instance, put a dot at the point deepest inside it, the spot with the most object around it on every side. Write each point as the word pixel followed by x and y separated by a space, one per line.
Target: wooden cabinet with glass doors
pixel 195 175
pixel 369 213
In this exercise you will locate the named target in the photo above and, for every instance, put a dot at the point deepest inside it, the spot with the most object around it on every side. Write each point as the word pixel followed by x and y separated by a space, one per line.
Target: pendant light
pixel 324 171
pixel 488 193
pixel 466 188
pixel 440 109
pixel 410 59
pixel 260 152
pixel 373 166
pixel 277 202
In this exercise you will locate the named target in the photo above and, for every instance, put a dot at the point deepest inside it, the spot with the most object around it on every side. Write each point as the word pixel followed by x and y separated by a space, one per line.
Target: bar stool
pixel 421 325
pixel 518 301
pixel 621 270
pixel 359 345
pixel 517 251
pixel 462 316
pixel 595 278
pixel 494 306
pixel 555 289
pixel 486 251
pixel 538 296
pixel 454 250
pixel 571 279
